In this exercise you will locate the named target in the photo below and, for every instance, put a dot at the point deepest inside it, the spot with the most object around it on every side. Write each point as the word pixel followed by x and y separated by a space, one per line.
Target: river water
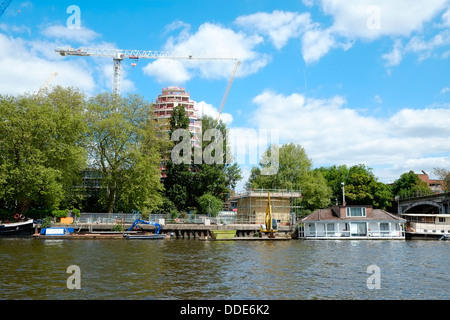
pixel 226 270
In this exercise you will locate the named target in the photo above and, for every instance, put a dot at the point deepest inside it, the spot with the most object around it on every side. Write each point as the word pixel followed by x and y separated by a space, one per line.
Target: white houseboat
pixel 427 226
pixel 352 222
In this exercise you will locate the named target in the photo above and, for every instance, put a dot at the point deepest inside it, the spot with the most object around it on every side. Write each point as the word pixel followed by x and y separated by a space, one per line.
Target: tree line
pixel 48 143
pixel 322 186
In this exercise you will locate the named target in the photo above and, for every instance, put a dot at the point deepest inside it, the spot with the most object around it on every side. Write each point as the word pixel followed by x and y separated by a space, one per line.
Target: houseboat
pixel 22 228
pixel 426 226
pixel 352 222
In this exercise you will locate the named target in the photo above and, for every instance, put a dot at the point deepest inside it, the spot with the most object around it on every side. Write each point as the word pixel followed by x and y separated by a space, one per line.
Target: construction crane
pixel 41 91
pixel 119 55
pixel 230 82
pixel 3 6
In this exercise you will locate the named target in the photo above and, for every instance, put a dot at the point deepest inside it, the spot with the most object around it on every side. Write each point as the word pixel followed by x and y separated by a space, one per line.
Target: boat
pixel 24 228
pixel 427 226
pixel 223 234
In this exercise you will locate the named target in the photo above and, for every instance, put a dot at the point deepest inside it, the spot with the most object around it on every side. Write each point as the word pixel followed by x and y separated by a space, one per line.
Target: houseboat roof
pixel 335 214
pixel 440 215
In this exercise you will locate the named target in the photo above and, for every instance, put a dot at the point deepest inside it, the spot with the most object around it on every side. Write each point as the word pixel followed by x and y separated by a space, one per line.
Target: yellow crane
pixel 230 82
pixel 270 225
pixel 47 83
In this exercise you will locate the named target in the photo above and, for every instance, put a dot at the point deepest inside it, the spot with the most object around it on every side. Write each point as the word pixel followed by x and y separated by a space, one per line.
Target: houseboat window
pixel 384 226
pixel 356 212
pixel 441 219
pixel 330 227
pixel 312 227
pixel 358 228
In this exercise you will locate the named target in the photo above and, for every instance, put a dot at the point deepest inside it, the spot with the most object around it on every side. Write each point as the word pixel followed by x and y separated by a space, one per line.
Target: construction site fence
pixel 128 218
pixel 107 218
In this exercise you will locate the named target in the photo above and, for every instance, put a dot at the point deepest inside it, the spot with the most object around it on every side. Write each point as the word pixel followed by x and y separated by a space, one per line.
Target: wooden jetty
pixel 172 230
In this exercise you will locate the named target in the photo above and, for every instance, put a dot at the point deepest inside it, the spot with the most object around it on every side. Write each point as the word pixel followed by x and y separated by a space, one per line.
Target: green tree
pixel 443 174
pixel 179 120
pixel 209 205
pixel 408 185
pixel 294 172
pixel 361 186
pixel 42 143
pixel 178 178
pixel 125 147
pixel 187 182
pixel 335 175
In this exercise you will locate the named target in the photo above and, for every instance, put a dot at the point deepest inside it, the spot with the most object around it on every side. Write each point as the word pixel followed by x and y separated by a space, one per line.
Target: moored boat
pixel 427 226
pixel 23 228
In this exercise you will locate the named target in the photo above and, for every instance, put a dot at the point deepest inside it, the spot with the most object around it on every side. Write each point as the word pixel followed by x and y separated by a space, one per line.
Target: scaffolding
pixel 252 204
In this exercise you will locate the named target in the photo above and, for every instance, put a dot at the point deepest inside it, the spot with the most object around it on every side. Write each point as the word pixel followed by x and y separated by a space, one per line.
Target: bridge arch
pixel 424 206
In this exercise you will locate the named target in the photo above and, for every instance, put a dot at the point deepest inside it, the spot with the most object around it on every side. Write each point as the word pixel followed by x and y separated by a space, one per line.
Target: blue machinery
pixel 136 223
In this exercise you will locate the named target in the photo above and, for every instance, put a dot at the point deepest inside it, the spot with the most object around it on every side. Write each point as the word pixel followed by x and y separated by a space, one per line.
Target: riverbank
pixel 247 232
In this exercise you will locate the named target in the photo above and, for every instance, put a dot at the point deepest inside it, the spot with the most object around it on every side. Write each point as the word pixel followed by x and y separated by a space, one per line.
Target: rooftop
pixel 337 213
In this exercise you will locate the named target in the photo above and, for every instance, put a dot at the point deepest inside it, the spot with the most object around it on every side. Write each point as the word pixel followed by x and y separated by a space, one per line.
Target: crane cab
pixel 271 224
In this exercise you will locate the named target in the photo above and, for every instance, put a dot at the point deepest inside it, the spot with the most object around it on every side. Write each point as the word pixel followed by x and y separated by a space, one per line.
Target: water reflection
pixel 193 269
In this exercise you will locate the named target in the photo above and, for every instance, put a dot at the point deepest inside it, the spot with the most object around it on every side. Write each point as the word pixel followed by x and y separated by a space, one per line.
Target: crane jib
pixel 119 55
pixel 136 54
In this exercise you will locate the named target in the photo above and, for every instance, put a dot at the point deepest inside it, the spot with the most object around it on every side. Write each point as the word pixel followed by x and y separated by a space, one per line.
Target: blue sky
pixel 356 81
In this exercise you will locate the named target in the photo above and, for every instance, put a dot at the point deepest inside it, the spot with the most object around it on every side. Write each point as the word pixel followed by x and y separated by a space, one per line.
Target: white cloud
pixel 446 18
pixel 445 90
pixel 335 134
pixel 397 18
pixel 421 123
pixel 394 57
pixel 82 35
pixel 315 44
pixel 14 29
pixel 25 65
pixel 212 41
pixel 368 20
pixel 280 26
pixel 168 71
pixel 22 69
pixel 377 99
pixel 209 110
pixel 417 44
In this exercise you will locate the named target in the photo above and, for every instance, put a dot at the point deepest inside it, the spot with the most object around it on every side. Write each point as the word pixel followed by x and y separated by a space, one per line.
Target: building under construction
pixel 252 204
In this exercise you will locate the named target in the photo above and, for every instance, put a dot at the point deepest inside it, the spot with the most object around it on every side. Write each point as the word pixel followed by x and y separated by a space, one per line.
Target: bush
pixel 60 213
pixel 46 222
pixel 76 212
pixel 208 204
pixel 118 227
